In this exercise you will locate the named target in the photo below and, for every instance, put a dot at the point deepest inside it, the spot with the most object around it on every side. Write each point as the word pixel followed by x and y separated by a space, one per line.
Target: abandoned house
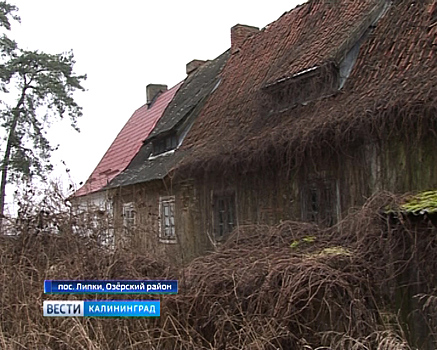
pixel 302 120
pixel 319 110
pixel 92 199
pixel 145 187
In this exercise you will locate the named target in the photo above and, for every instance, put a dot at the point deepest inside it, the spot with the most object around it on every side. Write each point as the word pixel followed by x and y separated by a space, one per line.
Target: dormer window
pixel 165 144
pixel 305 86
pixel 322 78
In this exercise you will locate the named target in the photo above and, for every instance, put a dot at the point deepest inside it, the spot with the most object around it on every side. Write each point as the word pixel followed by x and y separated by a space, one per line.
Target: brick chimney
pixel 153 90
pixel 239 33
pixel 193 65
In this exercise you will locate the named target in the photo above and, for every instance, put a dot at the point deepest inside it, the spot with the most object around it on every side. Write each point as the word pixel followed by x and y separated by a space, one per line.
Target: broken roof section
pixel 176 120
pixel 127 143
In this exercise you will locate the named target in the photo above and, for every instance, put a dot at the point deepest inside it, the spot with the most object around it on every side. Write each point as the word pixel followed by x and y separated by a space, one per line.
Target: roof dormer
pixel 320 75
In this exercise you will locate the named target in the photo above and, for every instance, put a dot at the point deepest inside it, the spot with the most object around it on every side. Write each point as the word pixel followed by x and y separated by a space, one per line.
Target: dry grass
pixel 294 286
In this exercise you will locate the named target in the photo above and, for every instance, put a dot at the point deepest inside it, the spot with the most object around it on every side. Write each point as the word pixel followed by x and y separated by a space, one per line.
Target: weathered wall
pixel 273 195
pixel 407 166
pixel 145 234
pixel 265 198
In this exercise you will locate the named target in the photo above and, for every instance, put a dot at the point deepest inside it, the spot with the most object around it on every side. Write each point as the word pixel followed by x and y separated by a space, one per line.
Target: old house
pixel 92 199
pixel 316 112
pixel 302 120
pixel 162 216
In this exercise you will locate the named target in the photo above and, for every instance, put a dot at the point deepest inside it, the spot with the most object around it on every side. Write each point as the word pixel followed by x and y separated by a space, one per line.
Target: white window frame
pixel 167 227
pixel 129 216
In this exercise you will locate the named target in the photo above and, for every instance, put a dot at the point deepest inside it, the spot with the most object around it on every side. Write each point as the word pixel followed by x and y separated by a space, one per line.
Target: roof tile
pixel 395 65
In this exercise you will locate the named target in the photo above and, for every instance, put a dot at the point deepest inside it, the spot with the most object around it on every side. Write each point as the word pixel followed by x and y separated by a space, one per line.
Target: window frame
pixel 320 201
pixel 224 216
pixel 304 87
pixel 129 223
pixel 165 144
pixel 170 203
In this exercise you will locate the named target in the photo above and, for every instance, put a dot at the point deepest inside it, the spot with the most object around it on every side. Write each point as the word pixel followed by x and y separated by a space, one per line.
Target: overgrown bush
pixel 367 283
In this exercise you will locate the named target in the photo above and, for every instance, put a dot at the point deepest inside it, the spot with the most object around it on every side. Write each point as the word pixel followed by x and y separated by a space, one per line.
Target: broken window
pixel 167 223
pixel 129 217
pixel 320 202
pixel 224 216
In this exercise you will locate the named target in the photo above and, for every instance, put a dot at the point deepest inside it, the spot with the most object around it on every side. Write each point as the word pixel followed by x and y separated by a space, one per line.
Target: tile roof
pixel 397 64
pixel 127 143
pixel 179 115
pixel 318 32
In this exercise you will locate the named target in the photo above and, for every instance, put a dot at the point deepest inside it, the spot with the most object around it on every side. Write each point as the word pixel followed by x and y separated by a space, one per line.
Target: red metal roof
pixel 127 143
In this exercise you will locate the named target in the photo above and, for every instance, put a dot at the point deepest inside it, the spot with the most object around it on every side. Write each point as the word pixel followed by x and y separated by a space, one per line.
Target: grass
pixel 334 290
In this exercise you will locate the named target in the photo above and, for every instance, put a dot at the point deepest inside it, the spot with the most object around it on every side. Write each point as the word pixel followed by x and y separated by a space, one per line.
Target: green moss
pixel 335 251
pixel 309 239
pixel 418 204
pixel 424 202
pixel 330 251
pixel 305 240
pixel 294 244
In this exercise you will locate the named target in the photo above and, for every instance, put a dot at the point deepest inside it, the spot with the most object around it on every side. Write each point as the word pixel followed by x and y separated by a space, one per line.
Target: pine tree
pixel 44 85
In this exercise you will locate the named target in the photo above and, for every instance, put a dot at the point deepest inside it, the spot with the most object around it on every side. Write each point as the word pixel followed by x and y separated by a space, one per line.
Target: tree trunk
pixel 5 164
pixel 7 155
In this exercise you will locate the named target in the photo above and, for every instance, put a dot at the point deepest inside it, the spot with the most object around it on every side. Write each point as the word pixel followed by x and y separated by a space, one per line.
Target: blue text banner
pixel 110 287
pixel 102 308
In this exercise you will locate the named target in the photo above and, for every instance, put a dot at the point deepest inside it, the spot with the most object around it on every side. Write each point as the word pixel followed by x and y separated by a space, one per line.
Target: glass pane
pixel 168 229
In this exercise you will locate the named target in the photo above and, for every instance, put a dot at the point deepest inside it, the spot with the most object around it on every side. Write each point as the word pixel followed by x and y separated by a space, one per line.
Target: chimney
pixel 193 65
pixel 239 33
pixel 153 91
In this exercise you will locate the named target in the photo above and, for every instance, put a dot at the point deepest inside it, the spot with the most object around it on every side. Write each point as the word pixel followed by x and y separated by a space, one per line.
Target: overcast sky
pixel 122 46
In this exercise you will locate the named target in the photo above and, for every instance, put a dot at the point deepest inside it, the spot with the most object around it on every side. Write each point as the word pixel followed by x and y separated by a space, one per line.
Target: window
pixel 165 144
pixel 320 202
pixel 224 216
pixel 129 217
pixel 167 231
pixel 309 85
